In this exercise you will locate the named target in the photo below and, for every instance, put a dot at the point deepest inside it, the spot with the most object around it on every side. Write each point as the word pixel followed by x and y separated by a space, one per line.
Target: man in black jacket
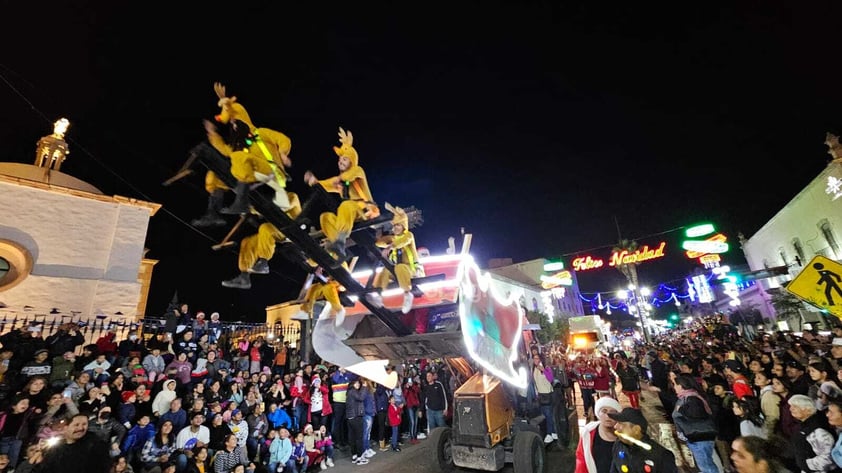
pixel 433 401
pixel 629 454
pixel 66 339
pixel 354 412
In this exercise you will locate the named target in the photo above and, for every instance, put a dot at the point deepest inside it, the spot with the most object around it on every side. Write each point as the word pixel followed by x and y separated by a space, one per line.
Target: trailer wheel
pixel 441 441
pixel 528 453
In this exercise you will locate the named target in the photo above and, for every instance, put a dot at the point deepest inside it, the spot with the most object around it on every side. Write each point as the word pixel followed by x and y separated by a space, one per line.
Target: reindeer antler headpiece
pixel 231 109
pixel 399 216
pixel 347 148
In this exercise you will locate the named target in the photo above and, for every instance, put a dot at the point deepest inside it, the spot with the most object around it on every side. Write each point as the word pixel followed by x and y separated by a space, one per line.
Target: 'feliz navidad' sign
pixel 619 258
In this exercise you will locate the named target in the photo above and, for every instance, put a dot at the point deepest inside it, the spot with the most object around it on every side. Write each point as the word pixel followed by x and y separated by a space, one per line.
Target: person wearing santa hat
pixel 593 454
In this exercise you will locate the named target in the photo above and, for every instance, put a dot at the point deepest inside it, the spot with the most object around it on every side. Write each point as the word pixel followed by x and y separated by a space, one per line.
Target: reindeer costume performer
pixel 352 185
pixel 324 287
pixel 256 154
pixel 403 254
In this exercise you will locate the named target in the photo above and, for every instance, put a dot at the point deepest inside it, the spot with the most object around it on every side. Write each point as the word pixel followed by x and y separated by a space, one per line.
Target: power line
pixel 131 186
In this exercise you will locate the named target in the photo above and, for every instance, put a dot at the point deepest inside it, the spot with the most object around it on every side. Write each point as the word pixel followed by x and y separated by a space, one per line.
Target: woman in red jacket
pixel 602 382
pixel 412 395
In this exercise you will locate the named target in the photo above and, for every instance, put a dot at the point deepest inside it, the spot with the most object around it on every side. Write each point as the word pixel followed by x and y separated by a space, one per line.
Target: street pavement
pixel 419 459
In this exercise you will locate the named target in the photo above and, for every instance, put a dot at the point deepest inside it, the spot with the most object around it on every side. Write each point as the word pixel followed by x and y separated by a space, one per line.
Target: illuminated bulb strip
pixel 519 380
pixel 439 284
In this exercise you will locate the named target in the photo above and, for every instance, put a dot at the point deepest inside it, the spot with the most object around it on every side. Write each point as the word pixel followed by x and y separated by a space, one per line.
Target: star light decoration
pixel 834 187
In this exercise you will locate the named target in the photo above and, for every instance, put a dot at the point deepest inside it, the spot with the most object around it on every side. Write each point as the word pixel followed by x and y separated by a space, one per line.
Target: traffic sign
pixel 820 284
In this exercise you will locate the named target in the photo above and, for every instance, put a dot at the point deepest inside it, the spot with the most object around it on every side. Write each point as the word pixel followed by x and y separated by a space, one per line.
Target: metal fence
pixel 94 327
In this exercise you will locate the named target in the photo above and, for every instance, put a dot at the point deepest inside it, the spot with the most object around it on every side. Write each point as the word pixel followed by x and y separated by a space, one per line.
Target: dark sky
pixel 532 126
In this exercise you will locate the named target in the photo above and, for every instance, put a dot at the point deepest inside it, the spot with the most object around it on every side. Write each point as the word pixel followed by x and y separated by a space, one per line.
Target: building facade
pixel 67 251
pixel 540 293
pixel 808 225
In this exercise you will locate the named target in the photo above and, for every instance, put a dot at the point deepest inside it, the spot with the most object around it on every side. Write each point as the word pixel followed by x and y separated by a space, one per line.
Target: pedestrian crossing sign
pixel 820 284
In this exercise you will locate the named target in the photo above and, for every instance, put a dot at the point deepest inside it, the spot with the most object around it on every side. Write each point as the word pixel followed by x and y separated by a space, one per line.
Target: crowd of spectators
pixel 195 397
pixel 739 400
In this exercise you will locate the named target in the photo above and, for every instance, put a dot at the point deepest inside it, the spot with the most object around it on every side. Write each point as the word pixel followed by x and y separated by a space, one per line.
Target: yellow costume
pixel 257 154
pixel 403 254
pixel 325 289
pixel 352 185
pixel 256 250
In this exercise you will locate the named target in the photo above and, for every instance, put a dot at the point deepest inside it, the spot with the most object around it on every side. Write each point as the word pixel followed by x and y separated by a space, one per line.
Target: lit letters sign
pixel 583 263
pixel 562 278
pixel 619 258
pixel 697 252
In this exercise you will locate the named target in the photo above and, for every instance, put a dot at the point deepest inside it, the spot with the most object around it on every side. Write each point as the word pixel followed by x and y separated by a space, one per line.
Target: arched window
pixel 799 251
pixel 827 233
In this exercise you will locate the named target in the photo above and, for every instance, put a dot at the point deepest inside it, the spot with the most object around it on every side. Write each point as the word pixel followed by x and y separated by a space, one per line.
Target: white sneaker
pixel 369 453
pixel 375 299
pixel 548 439
pixel 330 463
pixel 354 458
pixel 407 302
pixel 421 435
pixel 555 436
pixel 362 461
pixel 322 465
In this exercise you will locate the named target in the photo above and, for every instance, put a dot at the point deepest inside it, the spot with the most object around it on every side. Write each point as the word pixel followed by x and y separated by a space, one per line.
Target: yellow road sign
pixel 820 284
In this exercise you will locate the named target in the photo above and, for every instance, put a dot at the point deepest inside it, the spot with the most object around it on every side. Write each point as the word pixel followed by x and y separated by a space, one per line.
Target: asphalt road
pixel 419 459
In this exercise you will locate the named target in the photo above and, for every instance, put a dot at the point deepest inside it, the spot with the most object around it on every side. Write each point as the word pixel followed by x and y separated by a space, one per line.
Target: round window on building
pixel 15 264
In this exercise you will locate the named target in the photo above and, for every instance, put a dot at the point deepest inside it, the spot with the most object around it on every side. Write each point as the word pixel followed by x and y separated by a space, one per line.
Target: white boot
pixel 340 317
pixel 326 311
pixel 322 465
pixel 330 462
pixel 407 302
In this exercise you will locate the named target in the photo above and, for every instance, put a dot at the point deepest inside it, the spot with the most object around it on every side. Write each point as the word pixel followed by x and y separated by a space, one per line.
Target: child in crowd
pixel 394 422
pixel 299 452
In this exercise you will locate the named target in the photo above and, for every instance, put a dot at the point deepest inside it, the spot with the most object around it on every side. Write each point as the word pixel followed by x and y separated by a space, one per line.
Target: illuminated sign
pixel 702 289
pixel 716 238
pixel 619 258
pixel 710 261
pixel 704 247
pixel 834 187
pixel 562 278
pixel 584 263
pixel 699 230
pixel 551 266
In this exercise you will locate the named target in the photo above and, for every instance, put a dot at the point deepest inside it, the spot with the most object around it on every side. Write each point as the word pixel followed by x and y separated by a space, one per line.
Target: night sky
pixel 533 127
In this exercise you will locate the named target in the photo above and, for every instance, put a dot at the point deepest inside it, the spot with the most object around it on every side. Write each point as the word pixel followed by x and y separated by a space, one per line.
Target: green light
pixel 674 317
pixel 699 230
pixel 552 266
